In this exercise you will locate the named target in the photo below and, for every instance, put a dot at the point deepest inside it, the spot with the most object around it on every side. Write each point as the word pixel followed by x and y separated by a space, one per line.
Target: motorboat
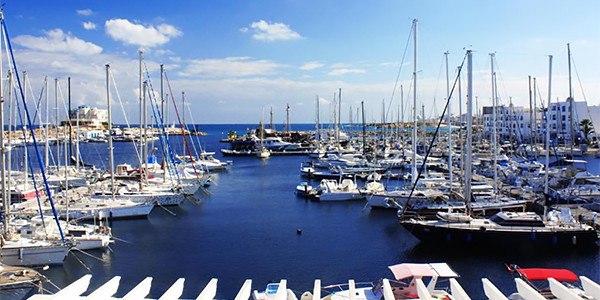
pixel 333 190
pixel 550 283
pixel 275 291
pixel 407 278
pixel 304 189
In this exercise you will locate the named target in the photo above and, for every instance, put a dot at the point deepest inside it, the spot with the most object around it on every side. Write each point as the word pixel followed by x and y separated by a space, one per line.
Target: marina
pixel 495 202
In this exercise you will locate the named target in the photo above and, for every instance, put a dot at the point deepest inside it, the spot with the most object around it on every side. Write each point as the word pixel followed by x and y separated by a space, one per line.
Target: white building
pixel 513 122
pixel 88 117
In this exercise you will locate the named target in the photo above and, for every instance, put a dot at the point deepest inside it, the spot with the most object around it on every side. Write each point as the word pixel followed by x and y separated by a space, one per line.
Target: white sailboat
pixel 263 152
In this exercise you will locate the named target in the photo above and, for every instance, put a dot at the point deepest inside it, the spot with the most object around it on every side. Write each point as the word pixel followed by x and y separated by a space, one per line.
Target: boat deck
pixel 76 289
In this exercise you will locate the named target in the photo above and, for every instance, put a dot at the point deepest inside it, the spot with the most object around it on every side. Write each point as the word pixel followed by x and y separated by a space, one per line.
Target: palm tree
pixel 587 128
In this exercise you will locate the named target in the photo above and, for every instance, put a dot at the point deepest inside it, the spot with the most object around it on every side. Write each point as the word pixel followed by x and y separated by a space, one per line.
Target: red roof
pixel 543 274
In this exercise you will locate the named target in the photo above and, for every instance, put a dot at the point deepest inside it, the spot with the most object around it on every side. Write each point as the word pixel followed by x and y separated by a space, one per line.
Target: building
pixel 514 122
pixel 90 117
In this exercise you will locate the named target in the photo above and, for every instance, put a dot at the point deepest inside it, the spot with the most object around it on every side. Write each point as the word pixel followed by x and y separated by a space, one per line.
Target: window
pixel 563 108
pixel 564 118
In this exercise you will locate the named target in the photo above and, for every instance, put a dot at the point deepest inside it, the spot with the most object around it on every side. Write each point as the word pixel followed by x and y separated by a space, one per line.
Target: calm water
pixel 244 227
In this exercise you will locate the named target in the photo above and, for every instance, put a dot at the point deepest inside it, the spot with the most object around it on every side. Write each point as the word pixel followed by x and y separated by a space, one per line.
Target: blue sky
pixel 232 58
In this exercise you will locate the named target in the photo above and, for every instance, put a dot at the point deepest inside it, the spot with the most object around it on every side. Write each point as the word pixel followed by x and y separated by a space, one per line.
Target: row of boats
pixel 409 281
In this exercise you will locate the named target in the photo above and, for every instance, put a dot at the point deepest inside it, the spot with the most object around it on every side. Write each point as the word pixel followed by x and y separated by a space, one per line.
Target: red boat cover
pixel 544 274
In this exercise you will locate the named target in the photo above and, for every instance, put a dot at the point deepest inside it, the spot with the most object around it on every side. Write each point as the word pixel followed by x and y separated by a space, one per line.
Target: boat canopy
pixel 543 274
pixel 403 271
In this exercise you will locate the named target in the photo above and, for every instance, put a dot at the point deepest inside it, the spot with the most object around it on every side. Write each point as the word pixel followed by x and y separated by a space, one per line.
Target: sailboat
pixel 504 229
pixel 263 152
pixel 20 251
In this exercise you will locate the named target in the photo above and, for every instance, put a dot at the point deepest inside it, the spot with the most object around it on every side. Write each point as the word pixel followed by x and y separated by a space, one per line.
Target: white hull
pixel 341 196
pixel 116 212
pixel 89 243
pixel 15 255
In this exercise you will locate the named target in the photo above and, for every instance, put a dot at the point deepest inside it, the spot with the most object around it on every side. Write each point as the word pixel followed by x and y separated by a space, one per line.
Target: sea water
pixel 245 226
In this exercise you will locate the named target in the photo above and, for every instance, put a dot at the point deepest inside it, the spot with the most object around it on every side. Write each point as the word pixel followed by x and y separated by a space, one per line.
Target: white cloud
pixel 58 41
pixel 89 25
pixel 265 31
pixel 338 72
pixel 136 34
pixel 340 66
pixel 85 12
pixel 230 67
pixel 311 65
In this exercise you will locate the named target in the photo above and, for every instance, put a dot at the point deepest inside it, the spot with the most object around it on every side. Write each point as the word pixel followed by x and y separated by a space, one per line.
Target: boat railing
pixel 334 288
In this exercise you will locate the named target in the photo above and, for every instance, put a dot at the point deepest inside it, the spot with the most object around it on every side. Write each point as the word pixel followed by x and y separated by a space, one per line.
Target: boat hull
pixel 465 237
pixel 34 256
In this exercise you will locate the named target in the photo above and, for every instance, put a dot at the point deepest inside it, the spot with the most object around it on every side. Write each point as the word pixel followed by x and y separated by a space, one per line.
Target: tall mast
pixel 468 154
pixel 5 205
pixel 25 148
pixel 450 148
pixel 339 120
pixel 162 113
pixel 184 123
pixel 10 131
pixel 141 94
pixel 69 119
pixel 494 120
pixel 548 125
pixel 145 133
pixel 364 131
pixel 335 124
pixel 462 153
pixel 414 132
pixel 570 101
pixel 110 140
pixel 530 112
pixel 47 124
pixel 534 127
pixel 317 131
pixel 57 141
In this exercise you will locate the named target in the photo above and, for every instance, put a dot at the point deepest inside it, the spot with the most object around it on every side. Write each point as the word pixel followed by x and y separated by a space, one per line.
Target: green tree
pixel 587 128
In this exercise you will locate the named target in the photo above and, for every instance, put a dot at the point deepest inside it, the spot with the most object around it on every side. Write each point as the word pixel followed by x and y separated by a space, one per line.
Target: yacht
pixel 505 229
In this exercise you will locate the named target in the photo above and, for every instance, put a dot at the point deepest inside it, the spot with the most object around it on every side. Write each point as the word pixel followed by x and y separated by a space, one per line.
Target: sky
pixel 236 59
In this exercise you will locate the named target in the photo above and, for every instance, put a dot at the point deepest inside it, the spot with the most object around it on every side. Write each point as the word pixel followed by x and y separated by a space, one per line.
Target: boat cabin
pixel 524 219
pixel 435 276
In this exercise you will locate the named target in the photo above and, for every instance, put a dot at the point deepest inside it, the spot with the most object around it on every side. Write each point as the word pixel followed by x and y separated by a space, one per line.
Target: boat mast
pixel 5 205
pixel 414 133
pixel 162 112
pixel 317 131
pixel 57 141
pixel 69 119
pixel 145 133
pixel 494 117
pixel 530 113
pixel 468 154
pixel 570 101
pixel 77 142
pixel 450 148
pixel 10 131
pixel 547 166
pixel 25 148
pixel 534 127
pixel 141 88
pixel 364 130
pixel 462 153
pixel 110 140
pixel 339 117
pixel 47 124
